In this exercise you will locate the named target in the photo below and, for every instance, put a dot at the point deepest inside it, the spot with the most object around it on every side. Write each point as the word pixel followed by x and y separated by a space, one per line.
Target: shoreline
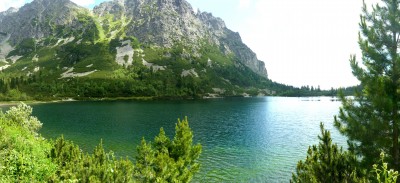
pixel 29 102
pixel 33 102
pixel 14 103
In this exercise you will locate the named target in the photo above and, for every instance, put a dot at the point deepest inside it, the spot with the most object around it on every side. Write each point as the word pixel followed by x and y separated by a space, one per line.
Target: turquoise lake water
pixel 243 139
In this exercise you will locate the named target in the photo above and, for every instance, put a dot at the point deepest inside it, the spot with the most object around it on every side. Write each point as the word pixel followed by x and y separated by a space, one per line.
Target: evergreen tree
pixel 76 166
pixel 327 163
pixel 371 120
pixel 168 161
pixel 184 152
pixel 145 158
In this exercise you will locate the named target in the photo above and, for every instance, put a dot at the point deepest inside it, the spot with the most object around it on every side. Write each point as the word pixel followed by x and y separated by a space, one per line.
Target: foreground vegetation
pixel 326 162
pixel 28 157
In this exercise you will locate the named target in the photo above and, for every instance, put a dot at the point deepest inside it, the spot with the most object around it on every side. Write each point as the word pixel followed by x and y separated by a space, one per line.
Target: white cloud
pixel 305 42
pixel 6 4
pixel 244 4
pixel 85 3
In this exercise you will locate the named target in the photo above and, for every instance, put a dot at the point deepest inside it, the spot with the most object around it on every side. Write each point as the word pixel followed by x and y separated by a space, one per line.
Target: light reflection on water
pixel 244 139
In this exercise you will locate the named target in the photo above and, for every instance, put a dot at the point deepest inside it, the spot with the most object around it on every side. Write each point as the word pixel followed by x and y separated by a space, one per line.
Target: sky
pixel 307 42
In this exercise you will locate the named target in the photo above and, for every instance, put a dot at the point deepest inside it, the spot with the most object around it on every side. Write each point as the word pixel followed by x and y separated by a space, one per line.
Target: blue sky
pixel 306 42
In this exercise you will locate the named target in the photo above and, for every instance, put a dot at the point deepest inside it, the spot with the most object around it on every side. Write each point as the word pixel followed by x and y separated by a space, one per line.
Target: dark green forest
pixel 148 85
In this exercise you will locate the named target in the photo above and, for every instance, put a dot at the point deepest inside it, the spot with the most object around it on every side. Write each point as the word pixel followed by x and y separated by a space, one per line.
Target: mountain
pixel 166 22
pixel 123 48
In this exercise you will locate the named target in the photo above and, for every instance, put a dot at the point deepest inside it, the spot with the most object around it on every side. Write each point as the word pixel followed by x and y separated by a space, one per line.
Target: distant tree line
pixel 307 91
pixel 144 83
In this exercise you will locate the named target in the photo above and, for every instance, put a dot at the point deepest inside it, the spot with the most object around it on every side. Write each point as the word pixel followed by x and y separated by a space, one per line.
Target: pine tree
pixel 75 166
pixel 371 120
pixel 168 161
pixel 145 158
pixel 184 152
pixel 327 163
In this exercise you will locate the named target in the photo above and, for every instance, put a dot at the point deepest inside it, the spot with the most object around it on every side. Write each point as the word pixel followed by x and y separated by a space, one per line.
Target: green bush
pixel 74 165
pixel 327 163
pixel 24 152
pixel 168 161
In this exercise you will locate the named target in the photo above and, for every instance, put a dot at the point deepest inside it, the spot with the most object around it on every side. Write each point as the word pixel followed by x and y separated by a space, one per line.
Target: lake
pixel 243 139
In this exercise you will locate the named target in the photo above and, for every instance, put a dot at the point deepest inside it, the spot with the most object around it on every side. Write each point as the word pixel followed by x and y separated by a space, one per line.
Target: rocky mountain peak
pixel 9 11
pixel 212 22
pixel 180 6
pixel 45 6
pixel 38 19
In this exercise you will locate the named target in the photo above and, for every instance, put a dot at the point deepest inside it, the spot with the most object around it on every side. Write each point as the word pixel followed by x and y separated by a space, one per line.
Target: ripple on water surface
pixel 243 139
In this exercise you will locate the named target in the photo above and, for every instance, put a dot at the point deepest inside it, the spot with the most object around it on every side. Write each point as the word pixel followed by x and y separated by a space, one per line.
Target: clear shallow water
pixel 244 139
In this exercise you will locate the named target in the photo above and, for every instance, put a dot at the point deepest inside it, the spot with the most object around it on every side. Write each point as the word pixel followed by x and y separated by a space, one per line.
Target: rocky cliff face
pixel 38 19
pixel 168 22
pixel 7 12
